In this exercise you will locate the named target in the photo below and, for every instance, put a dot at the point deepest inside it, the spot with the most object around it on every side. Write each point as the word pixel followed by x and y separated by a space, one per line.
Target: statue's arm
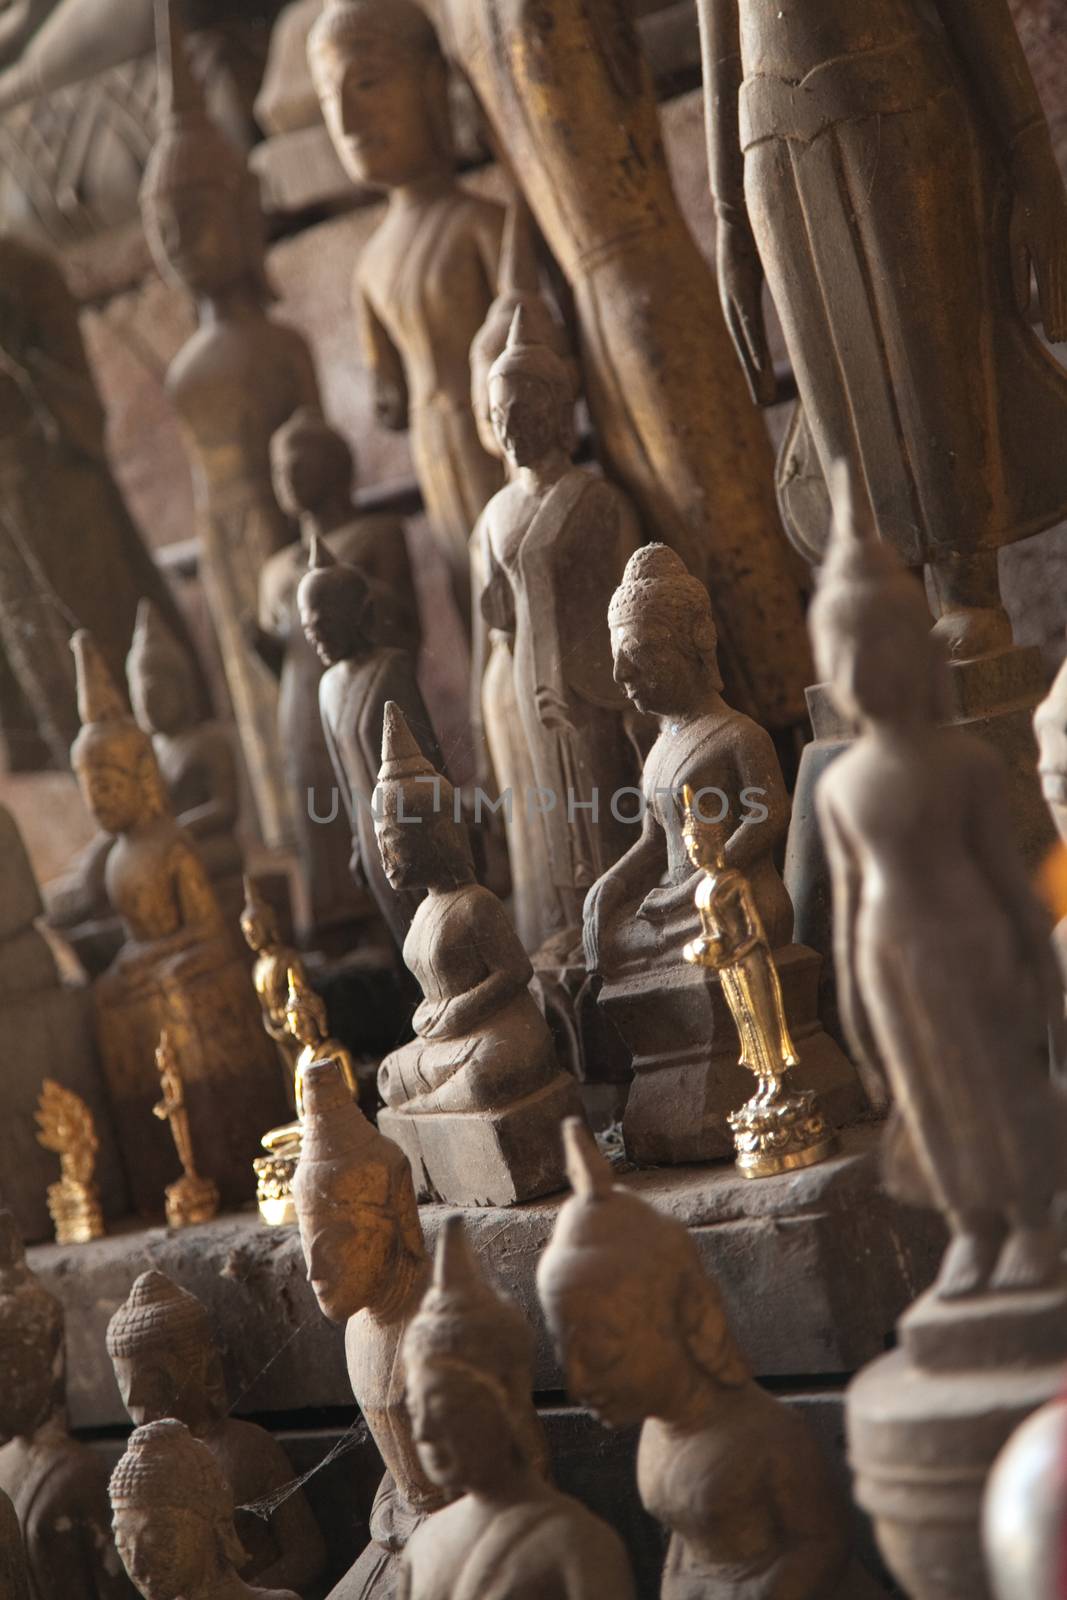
pixel 298 1536
pixel 845 886
pixel 596 1565
pixel 740 271
pixel 507 972
pixel 761 797
pixel 811 1524
pixel 989 48
pixel 220 810
pixel 481 554
pixel 384 364
pixel 634 874
pixel 196 897
pixel 489 235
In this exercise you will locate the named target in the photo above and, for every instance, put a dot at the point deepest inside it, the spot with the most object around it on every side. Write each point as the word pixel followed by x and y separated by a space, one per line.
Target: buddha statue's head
pixel 663 638
pixel 172 1514
pixel 312 465
pixel 468 1362
pixel 355 1203
pixel 305 1011
pixel 31 1342
pixel 112 757
pixel 383 87
pixel 164 1354
pixel 259 925
pixel 422 845
pixel 639 1325
pixel 870 623
pixel 518 289
pixel 159 676
pixel 335 608
pixel 199 202
pixel 531 396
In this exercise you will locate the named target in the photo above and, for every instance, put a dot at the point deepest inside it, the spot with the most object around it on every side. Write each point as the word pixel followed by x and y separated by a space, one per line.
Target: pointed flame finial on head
pixel 588 1173
pixel 98 698
pixel 455 1269
pixel 401 756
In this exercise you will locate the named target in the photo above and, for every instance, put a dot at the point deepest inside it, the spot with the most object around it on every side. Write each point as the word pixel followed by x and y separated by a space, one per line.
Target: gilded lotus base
pixel 274 1175
pixel 191 1200
pixel 76 1213
pixel 778 1131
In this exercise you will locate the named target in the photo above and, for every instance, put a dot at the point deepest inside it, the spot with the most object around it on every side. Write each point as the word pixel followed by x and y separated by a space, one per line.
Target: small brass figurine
pixel 306 1025
pixel 779 1129
pixel 191 1198
pixel 66 1126
pixel 270 975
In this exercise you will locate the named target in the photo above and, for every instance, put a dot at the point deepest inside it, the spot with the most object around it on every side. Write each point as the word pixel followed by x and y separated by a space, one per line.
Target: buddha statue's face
pixel 406 848
pixel 350 1248
pixel 648 667
pixel 615 1339
pixel 331 618
pixel 28 1386
pixel 161 701
pixel 255 930
pixel 112 793
pixel 304 1024
pixel 525 414
pixel 461 1431
pixel 169 1382
pixel 169 1553
pixel 308 471
pixel 196 233
pixel 384 105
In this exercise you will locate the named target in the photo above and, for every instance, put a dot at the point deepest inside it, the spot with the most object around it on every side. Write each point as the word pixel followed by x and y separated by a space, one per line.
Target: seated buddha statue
pixel 177 968
pixel 641 913
pixel 482 1064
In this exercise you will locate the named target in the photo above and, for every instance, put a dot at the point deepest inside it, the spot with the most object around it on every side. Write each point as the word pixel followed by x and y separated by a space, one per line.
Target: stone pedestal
pixel 926 1422
pixel 995 698
pixel 685 1050
pixel 488 1158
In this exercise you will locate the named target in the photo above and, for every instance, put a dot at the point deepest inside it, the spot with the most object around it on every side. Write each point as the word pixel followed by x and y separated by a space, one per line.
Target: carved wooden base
pixel 926 1422
pixel 489 1158
pixel 687 1078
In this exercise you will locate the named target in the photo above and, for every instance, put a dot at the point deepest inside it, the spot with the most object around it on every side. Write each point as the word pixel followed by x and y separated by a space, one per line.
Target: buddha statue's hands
pixel 599 908
pixel 390 404
pixel 740 272
pixel 1039 229
pixel 552 711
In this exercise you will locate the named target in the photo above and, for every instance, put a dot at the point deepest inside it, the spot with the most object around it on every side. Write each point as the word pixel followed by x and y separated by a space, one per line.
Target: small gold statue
pixel 307 1028
pixel 778 1130
pixel 270 974
pixel 65 1125
pixel 191 1198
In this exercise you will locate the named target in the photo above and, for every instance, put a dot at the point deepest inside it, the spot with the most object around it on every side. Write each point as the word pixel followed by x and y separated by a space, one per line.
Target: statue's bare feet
pixel 970 632
pixel 1029 1259
pixel 966 1266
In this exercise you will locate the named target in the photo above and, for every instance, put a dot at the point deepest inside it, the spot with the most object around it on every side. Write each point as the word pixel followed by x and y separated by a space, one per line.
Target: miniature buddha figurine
pixel 366 1262
pixel 307 1022
pixel 427 275
pixel 468 1355
pixel 475 1096
pixel 554 544
pixel 14 1573
pixel 55 482
pixel 905 317
pixel 313 474
pixel 571 104
pixel 65 1125
pixel 191 1198
pixel 270 974
pixel 946 975
pixel 641 913
pixel 173 1516
pixel 177 969
pixel 57 1485
pixel 732 1472
pixel 235 382
pixel 167 1364
pixel 779 1129
pixel 336 613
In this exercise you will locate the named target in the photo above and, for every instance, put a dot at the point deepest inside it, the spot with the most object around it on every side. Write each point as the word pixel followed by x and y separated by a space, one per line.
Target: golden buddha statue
pixel 777 1130
pixel 270 974
pixel 191 1198
pixel 65 1125
pixel 177 968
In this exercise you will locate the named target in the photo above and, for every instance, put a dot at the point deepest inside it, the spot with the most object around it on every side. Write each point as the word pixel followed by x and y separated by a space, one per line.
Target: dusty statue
pixel 642 911
pixel 337 615
pixel 14 1573
pixel 731 1471
pixel 167 1364
pixel 239 377
pixel 366 1262
pixel 475 1097
pixel 190 1198
pixel 173 1518
pixel 1050 727
pixel 427 275
pixel 945 969
pixel 570 99
pixel 468 1355
pixel 554 543
pixel 65 1125
pixel 909 310
pixel 55 482
pixel 177 968
pixel 1023 1509
pixel 57 1485
pixel 313 473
